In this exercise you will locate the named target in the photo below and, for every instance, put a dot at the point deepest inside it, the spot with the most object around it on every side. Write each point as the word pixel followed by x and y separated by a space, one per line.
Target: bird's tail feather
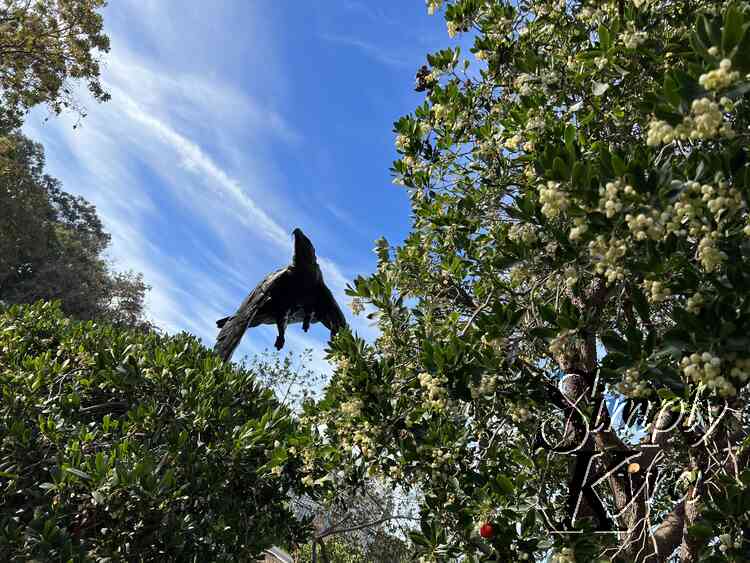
pixel 232 329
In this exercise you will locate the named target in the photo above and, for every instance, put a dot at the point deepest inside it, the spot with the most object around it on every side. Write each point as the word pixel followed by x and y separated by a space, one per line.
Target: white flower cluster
pixel 487 386
pixel 395 471
pixel 512 142
pixel 550 77
pixel 519 413
pixel 433 5
pixel 633 39
pixel 647 226
pixel 439 111
pixel 362 440
pixel 565 555
pixel 542 10
pixel 357 305
pixel 706 368
pixel 342 363
pixel 579 229
pixel 601 62
pixel 436 392
pixel 722 77
pixel 553 199
pixel 706 121
pixel 606 255
pixel 524 84
pixel 721 200
pixel 741 370
pixel 535 122
pixel 352 408
pixel 726 543
pixel 441 457
pixel 609 197
pixel 632 385
pixel 709 254
pixel 402 142
pixel 522 233
pixel 518 275
pixel 657 291
pixel 695 303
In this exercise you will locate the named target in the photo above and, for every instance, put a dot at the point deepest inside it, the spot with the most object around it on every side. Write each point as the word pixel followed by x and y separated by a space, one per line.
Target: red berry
pixel 486 531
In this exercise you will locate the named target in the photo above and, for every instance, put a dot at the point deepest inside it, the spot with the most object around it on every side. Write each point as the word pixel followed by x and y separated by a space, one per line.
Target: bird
pixel 296 293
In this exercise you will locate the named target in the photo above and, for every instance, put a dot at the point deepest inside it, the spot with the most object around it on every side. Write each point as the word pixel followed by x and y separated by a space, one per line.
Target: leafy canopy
pixel 121 444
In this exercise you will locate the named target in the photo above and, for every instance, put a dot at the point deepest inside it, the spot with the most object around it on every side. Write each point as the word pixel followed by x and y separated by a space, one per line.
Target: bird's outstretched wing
pixel 327 310
pixel 232 328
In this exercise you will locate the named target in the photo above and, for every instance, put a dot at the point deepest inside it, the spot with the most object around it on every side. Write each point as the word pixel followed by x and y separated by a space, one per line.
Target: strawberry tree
pixel 564 333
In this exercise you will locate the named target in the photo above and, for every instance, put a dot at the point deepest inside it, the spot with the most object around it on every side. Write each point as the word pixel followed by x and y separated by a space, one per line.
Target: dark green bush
pixel 128 445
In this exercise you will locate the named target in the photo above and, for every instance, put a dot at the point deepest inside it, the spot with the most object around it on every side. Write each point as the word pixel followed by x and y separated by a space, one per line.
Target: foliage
pixel 52 245
pixel 576 279
pixel 336 551
pixel 367 516
pixel 130 445
pixel 46 45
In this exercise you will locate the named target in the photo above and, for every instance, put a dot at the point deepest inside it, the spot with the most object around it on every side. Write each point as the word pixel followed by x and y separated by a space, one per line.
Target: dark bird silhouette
pixel 290 295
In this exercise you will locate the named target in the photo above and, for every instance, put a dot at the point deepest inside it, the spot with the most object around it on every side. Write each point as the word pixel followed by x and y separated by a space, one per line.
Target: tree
pixel 564 333
pixel 130 445
pixel 45 46
pixel 51 246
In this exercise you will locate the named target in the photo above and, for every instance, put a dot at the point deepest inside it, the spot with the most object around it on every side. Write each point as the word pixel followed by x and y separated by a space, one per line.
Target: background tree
pixel 363 520
pixel 52 246
pixel 579 252
pixel 45 46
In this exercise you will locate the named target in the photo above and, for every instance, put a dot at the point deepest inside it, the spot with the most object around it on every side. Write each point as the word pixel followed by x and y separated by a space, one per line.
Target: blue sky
pixel 233 122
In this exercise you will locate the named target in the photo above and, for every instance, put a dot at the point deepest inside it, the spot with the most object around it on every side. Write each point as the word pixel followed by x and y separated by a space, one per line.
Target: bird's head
pixel 304 251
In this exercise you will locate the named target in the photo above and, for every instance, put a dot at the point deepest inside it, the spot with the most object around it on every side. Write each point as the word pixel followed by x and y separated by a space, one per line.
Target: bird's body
pixel 290 295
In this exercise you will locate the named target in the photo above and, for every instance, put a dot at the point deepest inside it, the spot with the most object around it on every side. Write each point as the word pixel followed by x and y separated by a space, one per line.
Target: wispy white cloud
pixel 373 51
pixel 371 12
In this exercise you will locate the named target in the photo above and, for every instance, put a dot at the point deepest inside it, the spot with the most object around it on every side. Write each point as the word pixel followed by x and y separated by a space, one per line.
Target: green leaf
pixel 700 531
pixel 741 55
pixel 419 539
pixel 527 525
pixel 605 39
pixel 578 172
pixel 733 28
pixel 77 472
pixel 560 169
pixel 614 342
pixel 505 485
pixel 570 135
pixel 618 165
pixel 698 46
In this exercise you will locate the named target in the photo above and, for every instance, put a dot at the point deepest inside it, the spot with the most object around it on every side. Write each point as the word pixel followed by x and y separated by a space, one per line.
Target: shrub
pixel 123 444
